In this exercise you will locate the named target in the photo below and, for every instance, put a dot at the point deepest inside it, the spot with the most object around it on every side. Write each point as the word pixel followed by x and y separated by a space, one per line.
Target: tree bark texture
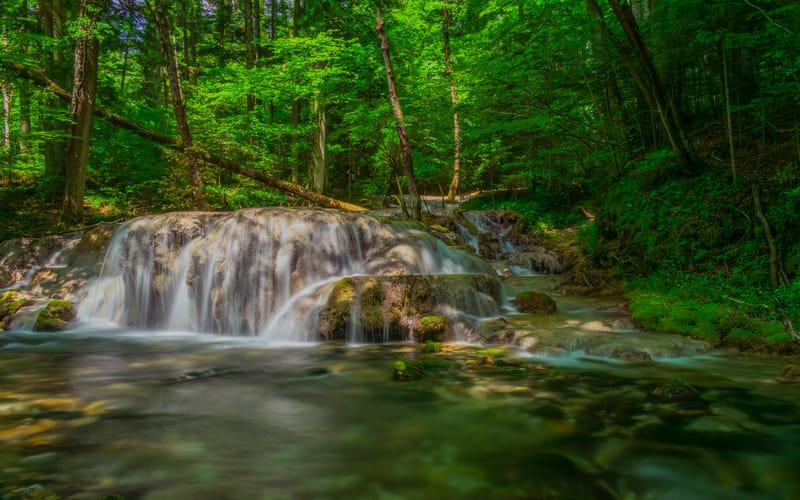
pixel 402 133
pixel 448 71
pixel 52 18
pixel 84 85
pixel 170 142
pixel 178 107
pixel 5 90
pixel 653 86
pixel 319 137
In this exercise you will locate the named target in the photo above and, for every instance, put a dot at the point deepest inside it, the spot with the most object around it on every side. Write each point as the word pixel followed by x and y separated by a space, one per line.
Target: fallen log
pixel 121 122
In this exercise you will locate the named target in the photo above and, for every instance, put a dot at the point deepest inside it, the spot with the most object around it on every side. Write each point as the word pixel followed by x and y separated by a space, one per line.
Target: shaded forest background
pixel 667 131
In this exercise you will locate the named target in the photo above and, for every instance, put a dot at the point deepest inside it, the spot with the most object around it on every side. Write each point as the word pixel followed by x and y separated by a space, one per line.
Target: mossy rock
pixel 432 329
pixel 56 316
pixel 405 370
pixel 676 390
pixel 431 347
pixel 10 302
pixel 495 331
pixel 534 302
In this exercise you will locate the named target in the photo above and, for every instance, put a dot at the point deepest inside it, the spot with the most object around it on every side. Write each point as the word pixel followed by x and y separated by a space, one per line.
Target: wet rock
pixel 10 302
pixel 631 355
pixel 676 390
pixel 431 329
pixel 397 305
pixel 56 316
pixel 534 302
pixel 495 331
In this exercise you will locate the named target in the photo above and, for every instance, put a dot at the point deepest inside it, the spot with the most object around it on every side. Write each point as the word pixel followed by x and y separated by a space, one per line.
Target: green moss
pixel 406 369
pixel 10 303
pixel 431 346
pixel 370 303
pixel 431 329
pixel 56 316
pixel 534 302
pixel 493 352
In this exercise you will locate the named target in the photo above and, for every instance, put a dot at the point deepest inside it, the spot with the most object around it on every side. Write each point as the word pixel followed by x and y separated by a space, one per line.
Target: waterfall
pixel 266 271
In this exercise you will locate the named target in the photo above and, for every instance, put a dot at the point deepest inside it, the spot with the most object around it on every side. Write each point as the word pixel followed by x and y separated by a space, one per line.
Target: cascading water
pixel 259 271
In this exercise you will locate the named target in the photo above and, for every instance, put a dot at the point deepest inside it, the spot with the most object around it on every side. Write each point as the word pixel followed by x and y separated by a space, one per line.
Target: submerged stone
pixel 676 390
pixel 631 355
pixel 405 370
pixel 790 374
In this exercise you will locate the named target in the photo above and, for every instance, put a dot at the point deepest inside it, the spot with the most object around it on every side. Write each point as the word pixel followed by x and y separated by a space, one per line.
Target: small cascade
pixel 497 236
pixel 267 272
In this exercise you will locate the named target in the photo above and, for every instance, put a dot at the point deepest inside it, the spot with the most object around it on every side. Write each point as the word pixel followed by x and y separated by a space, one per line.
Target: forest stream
pixel 169 410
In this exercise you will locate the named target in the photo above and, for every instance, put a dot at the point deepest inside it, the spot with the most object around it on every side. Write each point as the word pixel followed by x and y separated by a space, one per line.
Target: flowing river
pixel 171 415
pixel 217 356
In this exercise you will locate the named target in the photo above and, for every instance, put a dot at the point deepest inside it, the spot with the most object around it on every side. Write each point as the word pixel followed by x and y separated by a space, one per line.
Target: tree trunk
pixel 24 119
pixel 402 133
pixel 176 95
pixel 726 87
pixel 5 89
pixel 295 153
pixel 653 86
pixel 448 71
pixel 317 166
pixel 52 17
pixel 84 85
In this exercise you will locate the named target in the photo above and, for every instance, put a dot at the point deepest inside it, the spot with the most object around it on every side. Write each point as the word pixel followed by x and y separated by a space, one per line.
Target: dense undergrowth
pixel 692 253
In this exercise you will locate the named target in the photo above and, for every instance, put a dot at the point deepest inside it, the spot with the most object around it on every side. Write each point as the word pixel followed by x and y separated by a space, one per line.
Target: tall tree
pixel 178 107
pixel 402 133
pixel 52 16
pixel 652 86
pixel 84 85
pixel 448 71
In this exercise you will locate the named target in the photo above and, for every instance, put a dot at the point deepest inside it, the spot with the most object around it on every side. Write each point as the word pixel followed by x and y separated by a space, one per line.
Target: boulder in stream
pixel 534 302
pixel 56 316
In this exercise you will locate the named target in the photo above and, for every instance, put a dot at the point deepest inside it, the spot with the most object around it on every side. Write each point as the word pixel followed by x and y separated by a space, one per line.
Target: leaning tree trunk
pixel 448 71
pixel 402 133
pixel 176 94
pixel 654 87
pixel 84 85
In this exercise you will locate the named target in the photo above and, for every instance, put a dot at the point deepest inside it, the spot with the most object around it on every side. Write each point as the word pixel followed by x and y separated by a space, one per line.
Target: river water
pixel 171 415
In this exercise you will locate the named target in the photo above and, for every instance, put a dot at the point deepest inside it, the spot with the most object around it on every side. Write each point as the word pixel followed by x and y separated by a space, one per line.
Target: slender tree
pixel 448 71
pixel 178 107
pixel 84 85
pixel 402 133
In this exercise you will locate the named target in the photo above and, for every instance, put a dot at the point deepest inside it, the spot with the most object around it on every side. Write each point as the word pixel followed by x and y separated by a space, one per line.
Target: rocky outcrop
pixel 10 302
pixel 401 307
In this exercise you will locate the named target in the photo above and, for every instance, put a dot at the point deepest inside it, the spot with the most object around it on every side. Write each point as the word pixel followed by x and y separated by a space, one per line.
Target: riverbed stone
pixel 630 355
pixel 56 316
pixel 676 390
pixel 534 302
pixel 790 374
pixel 495 331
